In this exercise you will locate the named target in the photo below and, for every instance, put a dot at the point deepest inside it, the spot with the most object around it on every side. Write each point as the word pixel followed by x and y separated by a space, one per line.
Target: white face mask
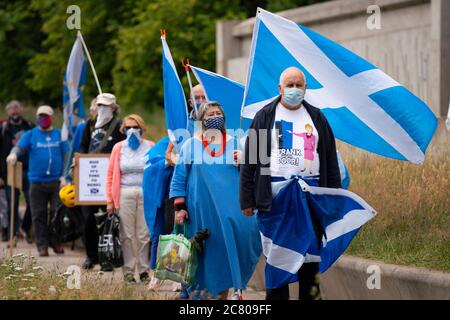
pixel 104 115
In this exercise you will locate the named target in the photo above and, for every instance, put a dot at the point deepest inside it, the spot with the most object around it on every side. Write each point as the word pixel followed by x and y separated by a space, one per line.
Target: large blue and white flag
pixel 290 231
pixel 230 94
pixel 364 106
pixel 223 90
pixel 175 106
pixel 74 81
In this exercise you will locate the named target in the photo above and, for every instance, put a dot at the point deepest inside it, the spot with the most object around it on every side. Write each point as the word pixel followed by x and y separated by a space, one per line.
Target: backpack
pixel 67 224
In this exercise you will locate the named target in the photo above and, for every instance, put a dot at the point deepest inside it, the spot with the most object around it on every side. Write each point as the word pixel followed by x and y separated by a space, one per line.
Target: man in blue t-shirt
pixel 47 153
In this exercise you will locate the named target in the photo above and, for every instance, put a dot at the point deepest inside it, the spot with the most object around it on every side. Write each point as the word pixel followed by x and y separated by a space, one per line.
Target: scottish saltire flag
pixel 289 231
pixel 223 90
pixel 230 95
pixel 175 106
pixel 74 81
pixel 364 106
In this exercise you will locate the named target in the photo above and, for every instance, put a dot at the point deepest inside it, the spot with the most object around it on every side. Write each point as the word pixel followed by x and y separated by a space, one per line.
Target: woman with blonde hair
pixel 124 195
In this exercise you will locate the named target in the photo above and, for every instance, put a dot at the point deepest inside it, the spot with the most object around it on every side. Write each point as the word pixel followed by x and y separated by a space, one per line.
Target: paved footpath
pixel 59 263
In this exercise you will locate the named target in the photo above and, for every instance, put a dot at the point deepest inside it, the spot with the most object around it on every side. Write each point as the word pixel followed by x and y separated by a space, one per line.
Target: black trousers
pixel 42 196
pixel 90 236
pixel 308 286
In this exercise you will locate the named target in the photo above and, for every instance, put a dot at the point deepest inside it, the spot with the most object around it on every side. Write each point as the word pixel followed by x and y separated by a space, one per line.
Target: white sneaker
pixel 176 287
pixel 154 284
pixel 237 295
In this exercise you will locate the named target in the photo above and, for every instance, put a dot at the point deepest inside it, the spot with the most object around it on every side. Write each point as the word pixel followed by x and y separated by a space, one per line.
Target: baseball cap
pixel 106 99
pixel 45 110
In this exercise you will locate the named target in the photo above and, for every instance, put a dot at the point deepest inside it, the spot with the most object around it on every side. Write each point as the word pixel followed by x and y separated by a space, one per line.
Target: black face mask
pixel 15 118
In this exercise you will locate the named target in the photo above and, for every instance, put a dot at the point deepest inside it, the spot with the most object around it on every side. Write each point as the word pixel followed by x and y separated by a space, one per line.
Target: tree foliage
pixel 123 38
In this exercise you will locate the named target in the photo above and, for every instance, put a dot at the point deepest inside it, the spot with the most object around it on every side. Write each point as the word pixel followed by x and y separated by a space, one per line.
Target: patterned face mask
pixel 44 121
pixel 214 123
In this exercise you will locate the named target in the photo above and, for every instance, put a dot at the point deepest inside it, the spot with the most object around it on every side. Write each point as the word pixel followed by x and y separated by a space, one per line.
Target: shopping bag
pixel 176 258
pixel 109 245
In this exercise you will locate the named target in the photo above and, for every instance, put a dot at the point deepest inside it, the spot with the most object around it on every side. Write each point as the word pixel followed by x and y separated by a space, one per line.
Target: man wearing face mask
pixel 99 136
pixel 296 134
pixel 47 153
pixel 200 97
pixel 11 132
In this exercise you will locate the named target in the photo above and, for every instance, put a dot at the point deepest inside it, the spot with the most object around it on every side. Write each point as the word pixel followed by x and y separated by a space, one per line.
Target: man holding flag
pixel 294 219
pixel 286 112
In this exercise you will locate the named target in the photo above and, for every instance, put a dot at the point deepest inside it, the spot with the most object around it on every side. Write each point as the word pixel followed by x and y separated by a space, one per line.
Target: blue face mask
pixel 134 138
pixel 215 123
pixel 293 96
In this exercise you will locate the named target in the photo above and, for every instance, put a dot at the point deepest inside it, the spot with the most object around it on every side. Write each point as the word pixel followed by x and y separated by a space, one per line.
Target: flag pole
pixel 187 68
pixel 90 61
pixel 11 223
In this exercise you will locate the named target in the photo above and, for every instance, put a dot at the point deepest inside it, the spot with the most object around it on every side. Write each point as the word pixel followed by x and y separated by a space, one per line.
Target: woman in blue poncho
pixel 205 189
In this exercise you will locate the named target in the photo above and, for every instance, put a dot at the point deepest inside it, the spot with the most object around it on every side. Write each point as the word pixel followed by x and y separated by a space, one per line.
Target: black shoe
pixel 106 267
pixel 58 249
pixel 29 238
pixel 43 251
pixel 89 264
pixel 5 234
pixel 144 277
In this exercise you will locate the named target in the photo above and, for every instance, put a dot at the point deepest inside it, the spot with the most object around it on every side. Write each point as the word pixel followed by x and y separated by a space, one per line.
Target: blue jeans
pixel 26 223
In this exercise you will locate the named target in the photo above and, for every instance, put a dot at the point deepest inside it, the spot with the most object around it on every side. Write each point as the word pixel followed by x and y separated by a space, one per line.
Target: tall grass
pixel 22 278
pixel 413 203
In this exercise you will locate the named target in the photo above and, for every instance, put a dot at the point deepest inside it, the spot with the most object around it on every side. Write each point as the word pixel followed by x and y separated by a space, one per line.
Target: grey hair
pixel 205 106
pixel 289 68
pixel 13 104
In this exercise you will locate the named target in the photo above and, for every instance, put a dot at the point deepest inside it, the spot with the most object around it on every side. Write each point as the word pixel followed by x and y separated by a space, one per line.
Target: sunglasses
pixel 132 127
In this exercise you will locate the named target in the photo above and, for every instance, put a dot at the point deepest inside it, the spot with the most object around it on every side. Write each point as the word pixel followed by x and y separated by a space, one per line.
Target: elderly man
pixel 200 97
pixel 11 131
pixel 100 135
pixel 299 143
pixel 47 154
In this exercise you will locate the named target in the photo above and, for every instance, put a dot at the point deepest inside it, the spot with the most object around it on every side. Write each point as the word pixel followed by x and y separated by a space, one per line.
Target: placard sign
pixel 90 178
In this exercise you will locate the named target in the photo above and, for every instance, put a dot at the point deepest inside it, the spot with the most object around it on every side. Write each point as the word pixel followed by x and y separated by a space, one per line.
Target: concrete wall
pixel 412 46
pixel 348 277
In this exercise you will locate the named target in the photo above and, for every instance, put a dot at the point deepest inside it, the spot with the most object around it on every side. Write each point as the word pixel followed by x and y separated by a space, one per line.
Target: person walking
pixel 10 133
pixel 125 198
pixel 47 153
pixel 100 135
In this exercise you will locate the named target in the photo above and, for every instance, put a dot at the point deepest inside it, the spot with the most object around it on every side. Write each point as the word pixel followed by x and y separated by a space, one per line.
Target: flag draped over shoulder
pixel 289 232
pixel 74 81
pixel 364 106
pixel 223 90
pixel 175 106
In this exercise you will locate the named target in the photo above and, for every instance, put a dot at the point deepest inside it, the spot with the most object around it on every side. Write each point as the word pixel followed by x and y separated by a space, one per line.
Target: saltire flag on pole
pixel 74 81
pixel 364 106
pixel 223 90
pixel 230 95
pixel 175 106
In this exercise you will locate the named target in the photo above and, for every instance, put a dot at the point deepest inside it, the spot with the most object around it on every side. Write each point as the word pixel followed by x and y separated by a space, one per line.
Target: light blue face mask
pixel 293 96
pixel 134 138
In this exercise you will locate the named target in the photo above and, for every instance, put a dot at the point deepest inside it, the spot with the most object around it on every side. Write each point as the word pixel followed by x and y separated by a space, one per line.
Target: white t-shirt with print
pixel 294 144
